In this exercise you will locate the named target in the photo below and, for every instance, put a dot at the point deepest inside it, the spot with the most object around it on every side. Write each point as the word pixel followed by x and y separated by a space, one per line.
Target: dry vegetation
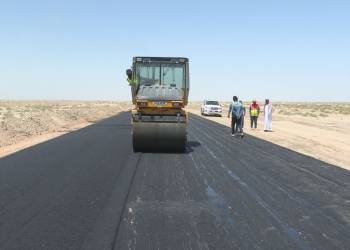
pixel 313 109
pixel 20 120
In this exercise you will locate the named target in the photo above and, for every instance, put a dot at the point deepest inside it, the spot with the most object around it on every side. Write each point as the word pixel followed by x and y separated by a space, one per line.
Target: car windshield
pixel 211 103
pixel 160 74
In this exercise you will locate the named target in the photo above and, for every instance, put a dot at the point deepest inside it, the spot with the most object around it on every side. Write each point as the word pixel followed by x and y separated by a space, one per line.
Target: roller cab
pixel 159 88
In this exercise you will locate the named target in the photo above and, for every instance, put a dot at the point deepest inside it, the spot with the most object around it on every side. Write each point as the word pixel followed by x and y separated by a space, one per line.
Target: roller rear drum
pixel 156 137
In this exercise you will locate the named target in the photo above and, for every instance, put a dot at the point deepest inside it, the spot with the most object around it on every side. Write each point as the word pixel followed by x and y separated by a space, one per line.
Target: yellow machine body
pixel 159 87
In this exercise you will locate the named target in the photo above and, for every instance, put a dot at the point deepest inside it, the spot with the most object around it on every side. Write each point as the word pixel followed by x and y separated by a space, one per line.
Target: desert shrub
pixel 312 115
pixel 284 112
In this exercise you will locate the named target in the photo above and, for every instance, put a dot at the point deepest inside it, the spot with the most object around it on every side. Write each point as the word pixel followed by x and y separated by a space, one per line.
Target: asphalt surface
pixel 88 190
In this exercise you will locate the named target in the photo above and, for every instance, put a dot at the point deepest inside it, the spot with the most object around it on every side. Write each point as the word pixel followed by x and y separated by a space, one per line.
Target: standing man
pixel 254 111
pixel 268 109
pixel 236 112
pixel 243 114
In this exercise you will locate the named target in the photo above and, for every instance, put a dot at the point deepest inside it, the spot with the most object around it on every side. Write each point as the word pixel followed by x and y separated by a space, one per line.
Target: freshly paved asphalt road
pixel 87 190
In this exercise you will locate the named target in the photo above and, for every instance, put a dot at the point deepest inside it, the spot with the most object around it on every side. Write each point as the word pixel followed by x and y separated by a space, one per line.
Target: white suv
pixel 211 108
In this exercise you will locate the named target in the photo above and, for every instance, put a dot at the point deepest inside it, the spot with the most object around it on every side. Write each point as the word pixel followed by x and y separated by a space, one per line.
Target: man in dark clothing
pixel 236 112
pixel 243 114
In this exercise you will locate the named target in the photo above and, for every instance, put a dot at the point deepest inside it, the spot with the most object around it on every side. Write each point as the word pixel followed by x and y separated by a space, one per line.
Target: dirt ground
pixel 320 130
pixel 26 123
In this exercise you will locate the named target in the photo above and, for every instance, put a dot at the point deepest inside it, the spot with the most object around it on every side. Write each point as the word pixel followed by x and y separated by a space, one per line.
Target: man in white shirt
pixel 268 109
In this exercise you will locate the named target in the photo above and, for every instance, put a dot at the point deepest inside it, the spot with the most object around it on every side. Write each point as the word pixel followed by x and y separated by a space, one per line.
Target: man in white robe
pixel 268 109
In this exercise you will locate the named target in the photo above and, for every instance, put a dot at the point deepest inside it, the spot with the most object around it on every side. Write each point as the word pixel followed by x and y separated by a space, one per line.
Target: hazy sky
pixel 284 50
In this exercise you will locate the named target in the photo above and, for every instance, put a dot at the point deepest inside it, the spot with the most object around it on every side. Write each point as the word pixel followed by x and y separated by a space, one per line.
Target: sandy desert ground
pixel 26 123
pixel 320 130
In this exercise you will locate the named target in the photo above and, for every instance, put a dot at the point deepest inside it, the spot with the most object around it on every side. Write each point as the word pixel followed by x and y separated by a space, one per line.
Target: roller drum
pixel 159 137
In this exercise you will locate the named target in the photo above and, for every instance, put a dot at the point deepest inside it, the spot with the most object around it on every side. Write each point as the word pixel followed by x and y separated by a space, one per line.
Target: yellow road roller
pixel 159 89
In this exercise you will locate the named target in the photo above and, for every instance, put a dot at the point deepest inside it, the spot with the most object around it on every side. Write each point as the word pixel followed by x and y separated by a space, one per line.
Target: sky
pixel 79 50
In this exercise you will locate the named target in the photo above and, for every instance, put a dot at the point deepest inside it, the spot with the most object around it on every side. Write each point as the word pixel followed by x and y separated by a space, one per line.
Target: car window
pixel 212 103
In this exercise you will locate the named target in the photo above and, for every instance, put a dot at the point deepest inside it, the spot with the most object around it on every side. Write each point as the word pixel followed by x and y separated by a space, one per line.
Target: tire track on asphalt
pixel 303 204
pixel 341 190
pixel 291 232
pixel 125 201
pixel 267 154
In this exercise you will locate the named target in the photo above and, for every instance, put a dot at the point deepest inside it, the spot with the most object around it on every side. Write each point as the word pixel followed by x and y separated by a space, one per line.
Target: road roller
pixel 159 89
